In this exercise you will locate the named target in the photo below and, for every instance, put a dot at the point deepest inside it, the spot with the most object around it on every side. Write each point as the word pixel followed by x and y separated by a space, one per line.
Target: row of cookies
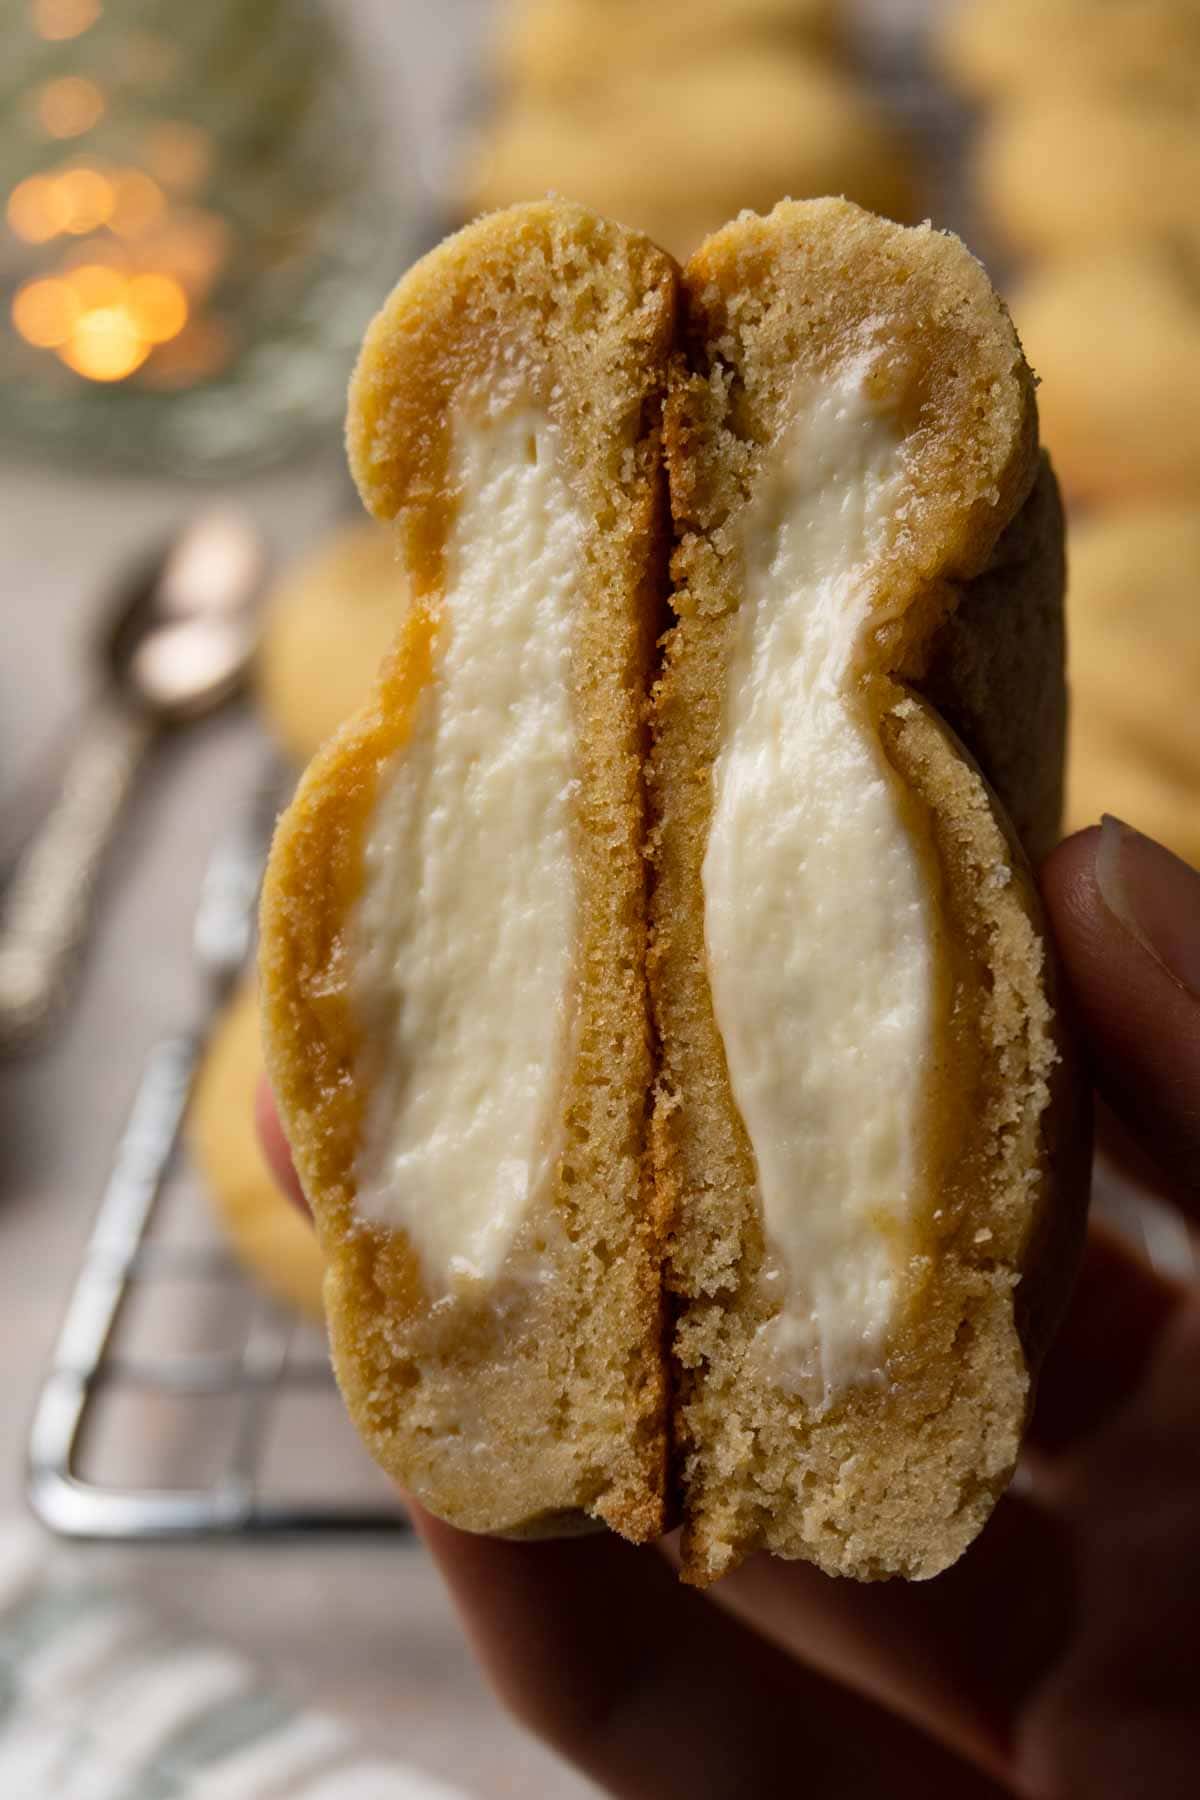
pixel 1086 176
pixel 672 118
pixel 1086 170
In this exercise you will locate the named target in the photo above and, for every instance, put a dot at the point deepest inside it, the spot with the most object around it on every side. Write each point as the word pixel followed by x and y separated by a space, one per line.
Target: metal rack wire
pixel 249 1371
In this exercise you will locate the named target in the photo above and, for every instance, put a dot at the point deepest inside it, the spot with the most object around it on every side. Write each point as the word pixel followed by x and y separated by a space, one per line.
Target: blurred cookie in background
pixel 678 160
pixel 1056 173
pixel 265 1231
pixel 1134 634
pixel 1115 338
pixel 991 49
pixel 548 50
pixel 328 626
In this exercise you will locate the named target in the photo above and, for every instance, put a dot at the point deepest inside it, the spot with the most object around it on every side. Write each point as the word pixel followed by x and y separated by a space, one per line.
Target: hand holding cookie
pixel 1023 1670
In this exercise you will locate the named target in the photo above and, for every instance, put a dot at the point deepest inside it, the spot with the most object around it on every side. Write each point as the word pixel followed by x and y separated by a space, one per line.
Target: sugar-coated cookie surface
pixel 867 1132
pixel 741 130
pixel 331 621
pixel 453 924
pixel 266 1232
pixel 1134 622
pixel 1114 336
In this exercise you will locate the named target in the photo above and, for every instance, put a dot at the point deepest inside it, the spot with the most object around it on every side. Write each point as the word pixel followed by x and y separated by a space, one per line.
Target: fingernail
pixel 1155 896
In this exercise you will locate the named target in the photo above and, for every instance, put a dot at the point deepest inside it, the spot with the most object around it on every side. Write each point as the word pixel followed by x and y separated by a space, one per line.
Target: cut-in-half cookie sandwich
pixel 866 1139
pixel 454 919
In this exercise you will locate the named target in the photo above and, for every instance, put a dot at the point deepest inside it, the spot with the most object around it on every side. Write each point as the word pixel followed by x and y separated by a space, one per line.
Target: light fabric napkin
pixel 101 1700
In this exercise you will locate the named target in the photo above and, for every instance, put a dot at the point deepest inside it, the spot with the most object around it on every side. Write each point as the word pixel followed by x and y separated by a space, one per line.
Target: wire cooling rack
pixel 179 1401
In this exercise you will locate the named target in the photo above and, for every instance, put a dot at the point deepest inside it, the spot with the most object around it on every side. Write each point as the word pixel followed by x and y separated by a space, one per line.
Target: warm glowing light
pixel 69 106
pixel 158 306
pixel 46 312
pixel 97 286
pixel 180 155
pixel 58 19
pixel 105 345
pixel 86 198
pixel 36 209
pixel 138 204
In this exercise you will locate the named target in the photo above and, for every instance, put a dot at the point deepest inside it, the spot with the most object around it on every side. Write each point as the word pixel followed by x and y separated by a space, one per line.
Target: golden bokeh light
pixel 69 106
pixel 158 307
pixel 46 312
pixel 105 345
pixel 36 210
pixel 86 198
pixel 96 285
pixel 139 204
pixel 60 19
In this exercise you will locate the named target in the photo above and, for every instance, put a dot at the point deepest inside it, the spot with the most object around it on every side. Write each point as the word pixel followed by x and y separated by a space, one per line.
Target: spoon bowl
pixel 179 643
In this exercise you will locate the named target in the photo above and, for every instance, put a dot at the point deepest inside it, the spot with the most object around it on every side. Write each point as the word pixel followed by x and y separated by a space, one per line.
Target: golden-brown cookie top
pixel 742 130
pixel 1057 173
pixel 1114 336
pixel 329 624
pixel 996 48
pixel 547 49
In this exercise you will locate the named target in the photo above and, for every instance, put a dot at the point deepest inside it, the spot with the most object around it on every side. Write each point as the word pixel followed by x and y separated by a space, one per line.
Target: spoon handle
pixel 45 912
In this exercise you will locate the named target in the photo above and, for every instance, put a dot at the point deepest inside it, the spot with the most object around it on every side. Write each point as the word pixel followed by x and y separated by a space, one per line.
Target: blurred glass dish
pixel 195 233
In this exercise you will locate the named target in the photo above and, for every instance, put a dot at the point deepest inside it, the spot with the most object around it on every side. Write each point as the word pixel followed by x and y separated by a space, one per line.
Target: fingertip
pixel 1068 878
pixel 274 1144
pixel 1124 914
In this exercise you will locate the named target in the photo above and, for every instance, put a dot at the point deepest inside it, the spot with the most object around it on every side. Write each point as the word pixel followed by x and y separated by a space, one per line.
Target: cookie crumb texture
pixel 955 686
pixel 531 1399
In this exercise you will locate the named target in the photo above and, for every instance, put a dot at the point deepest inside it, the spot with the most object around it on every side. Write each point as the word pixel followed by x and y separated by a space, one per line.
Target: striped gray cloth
pixel 100 1700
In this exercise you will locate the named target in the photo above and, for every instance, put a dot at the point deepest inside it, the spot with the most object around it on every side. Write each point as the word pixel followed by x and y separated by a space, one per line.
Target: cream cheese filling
pixel 462 940
pixel 817 922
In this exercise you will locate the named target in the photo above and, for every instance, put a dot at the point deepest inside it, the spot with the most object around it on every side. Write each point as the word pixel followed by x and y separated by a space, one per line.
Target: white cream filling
pixel 816 920
pixel 461 959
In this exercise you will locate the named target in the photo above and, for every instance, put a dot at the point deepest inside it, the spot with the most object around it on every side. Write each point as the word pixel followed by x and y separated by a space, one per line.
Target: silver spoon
pixel 180 644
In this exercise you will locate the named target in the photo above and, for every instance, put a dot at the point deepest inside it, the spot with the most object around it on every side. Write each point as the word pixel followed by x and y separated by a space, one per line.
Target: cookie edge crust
pixel 919 1541
pixel 310 886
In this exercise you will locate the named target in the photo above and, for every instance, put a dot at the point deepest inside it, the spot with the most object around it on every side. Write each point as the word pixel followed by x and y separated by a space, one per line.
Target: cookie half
pixel 864 1132
pixel 454 917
